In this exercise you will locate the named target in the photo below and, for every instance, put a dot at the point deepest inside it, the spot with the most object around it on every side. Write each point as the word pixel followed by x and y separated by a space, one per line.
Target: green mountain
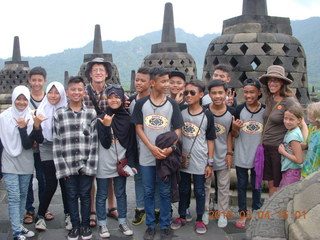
pixel 128 55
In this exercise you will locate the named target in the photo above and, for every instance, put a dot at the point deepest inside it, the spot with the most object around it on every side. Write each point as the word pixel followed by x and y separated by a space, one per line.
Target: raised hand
pixel 107 120
pixel 37 120
pixel 179 96
pixel 230 98
pixel 21 122
pixel 236 123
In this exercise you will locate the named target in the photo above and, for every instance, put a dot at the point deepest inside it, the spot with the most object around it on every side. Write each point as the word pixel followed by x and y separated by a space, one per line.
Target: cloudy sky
pixel 45 27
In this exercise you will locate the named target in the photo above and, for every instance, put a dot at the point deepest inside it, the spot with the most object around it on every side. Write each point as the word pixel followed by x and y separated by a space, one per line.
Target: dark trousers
pixel 51 187
pixel 79 186
pixel 185 192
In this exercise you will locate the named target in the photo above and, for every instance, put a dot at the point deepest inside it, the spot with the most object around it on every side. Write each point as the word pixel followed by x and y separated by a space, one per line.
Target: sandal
pixel 241 223
pixel 111 213
pixel 93 220
pixel 48 216
pixel 28 218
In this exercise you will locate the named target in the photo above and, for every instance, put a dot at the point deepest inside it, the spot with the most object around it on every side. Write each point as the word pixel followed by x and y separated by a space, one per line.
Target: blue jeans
pixel 139 190
pixel 17 188
pixel 79 186
pixel 185 193
pixel 119 184
pixel 41 183
pixel 150 183
pixel 242 176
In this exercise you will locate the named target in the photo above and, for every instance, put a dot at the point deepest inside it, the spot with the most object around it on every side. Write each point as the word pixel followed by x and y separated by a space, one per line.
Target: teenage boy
pixel 197 138
pixel 177 84
pixel 98 71
pixel 154 115
pixel 247 128
pixel 37 79
pixel 75 155
pixel 223 154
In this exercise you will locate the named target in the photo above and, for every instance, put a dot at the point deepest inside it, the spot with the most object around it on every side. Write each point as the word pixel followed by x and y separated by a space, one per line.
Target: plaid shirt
pixel 75 142
pixel 101 98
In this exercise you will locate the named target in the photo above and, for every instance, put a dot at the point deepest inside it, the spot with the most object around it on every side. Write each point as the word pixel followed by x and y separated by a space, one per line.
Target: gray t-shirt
pixel 46 150
pixel 223 125
pixel 22 164
pixel 249 136
pixel 155 120
pixel 199 151
pixel 34 104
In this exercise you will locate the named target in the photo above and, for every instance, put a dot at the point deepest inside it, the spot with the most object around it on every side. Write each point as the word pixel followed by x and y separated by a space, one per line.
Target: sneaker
pixel 165 234
pixel 104 232
pixel 205 217
pixel 157 215
pixel 188 216
pixel 125 229
pixel 25 232
pixel 74 234
pixel 19 237
pixel 67 221
pixel 139 217
pixel 41 224
pixel 223 221
pixel 178 223
pixel 149 234
pixel 200 228
pixel 86 233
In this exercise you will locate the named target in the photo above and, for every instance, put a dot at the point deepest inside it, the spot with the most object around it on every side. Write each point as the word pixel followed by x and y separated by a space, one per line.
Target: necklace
pixel 255 110
pixel 154 106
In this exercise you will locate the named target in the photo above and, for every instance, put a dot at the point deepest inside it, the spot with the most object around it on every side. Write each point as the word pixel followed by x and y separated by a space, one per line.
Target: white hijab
pixel 9 132
pixel 47 110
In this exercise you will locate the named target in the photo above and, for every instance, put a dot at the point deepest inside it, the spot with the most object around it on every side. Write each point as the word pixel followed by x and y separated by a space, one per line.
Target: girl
pixel 312 160
pixel 117 140
pixel 291 151
pixel 55 98
pixel 18 131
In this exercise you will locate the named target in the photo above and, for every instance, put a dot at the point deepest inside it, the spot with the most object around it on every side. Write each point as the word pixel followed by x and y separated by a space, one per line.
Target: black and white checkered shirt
pixel 75 144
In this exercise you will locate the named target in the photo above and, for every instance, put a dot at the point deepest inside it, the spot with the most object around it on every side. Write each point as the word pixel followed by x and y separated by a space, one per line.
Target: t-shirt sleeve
pixel 233 113
pixel 295 136
pixel 238 110
pixel 211 130
pixel 137 116
pixel 176 120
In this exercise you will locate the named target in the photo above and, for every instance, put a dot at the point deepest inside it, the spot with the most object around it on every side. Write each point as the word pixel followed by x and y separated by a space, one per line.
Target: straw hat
pixel 275 71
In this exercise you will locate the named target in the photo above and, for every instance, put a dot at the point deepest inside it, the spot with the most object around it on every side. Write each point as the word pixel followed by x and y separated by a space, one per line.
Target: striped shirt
pixel 75 144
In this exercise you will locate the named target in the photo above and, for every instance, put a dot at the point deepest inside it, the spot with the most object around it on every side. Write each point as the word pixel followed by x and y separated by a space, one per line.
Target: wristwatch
pixel 174 147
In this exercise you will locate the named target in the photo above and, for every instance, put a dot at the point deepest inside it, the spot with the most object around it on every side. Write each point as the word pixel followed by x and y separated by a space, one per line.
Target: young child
pixel 117 141
pixel 223 154
pixel 247 127
pixel 198 133
pixel 312 160
pixel 290 150
pixel 18 134
pixel 154 115
pixel 75 155
pixel 55 98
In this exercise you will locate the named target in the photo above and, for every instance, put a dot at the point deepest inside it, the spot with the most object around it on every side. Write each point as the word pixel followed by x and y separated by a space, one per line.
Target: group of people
pixel 90 138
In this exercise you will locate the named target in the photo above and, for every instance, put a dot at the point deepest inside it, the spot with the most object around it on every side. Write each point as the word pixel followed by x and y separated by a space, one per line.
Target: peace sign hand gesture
pixel 107 120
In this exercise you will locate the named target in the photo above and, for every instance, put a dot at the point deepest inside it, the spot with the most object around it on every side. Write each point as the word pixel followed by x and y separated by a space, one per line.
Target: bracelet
pixel 210 160
pixel 230 153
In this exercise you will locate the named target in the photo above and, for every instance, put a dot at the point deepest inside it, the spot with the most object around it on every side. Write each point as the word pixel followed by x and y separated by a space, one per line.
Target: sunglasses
pixel 192 92
pixel 116 86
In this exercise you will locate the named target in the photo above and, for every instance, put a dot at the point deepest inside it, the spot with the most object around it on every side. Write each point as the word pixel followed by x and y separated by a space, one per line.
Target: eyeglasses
pixel 192 92
pixel 95 70
pixel 274 80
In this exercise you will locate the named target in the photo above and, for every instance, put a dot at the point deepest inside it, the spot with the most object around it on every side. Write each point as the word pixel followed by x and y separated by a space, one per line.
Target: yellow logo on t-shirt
pixel 252 127
pixel 190 129
pixel 155 121
pixel 220 129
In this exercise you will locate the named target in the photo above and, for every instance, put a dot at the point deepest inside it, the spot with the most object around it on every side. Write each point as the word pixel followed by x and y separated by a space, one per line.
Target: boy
pixel 37 79
pixel 223 154
pixel 247 128
pixel 75 154
pixel 177 84
pixel 154 115
pixel 197 138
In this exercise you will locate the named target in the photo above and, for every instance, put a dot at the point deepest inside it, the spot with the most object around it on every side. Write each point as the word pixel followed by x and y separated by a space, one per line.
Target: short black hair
pixel 197 83
pixel 76 79
pixel 158 72
pixel 144 70
pixel 218 83
pixel 223 67
pixel 38 71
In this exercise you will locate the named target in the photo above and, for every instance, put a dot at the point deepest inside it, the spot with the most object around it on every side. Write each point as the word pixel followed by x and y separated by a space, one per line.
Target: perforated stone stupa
pixel 168 53
pixel 98 52
pixel 253 41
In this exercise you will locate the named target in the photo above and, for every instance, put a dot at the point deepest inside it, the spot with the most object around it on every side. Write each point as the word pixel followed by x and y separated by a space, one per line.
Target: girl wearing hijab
pixel 55 98
pixel 117 140
pixel 18 130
